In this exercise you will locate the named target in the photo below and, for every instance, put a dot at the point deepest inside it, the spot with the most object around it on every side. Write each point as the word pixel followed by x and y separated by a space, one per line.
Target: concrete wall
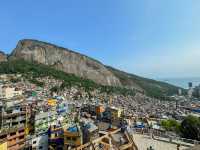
pixel 40 142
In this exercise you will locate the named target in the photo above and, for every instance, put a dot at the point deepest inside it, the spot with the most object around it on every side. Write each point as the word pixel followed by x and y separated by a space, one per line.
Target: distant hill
pixel 71 62
pixel 3 57
pixel 149 86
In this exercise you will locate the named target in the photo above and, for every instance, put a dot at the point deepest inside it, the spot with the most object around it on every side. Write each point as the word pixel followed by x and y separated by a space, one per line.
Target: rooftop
pixel 144 141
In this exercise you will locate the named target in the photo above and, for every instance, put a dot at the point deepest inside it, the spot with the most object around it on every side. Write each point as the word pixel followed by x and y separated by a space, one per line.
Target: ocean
pixel 182 82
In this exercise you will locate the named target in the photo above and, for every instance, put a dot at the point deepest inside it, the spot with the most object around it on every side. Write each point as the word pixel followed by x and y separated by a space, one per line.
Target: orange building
pixel 15 138
pixel 100 109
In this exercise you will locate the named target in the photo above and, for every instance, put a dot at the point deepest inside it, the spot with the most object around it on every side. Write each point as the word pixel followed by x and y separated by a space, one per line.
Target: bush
pixel 171 125
pixel 190 128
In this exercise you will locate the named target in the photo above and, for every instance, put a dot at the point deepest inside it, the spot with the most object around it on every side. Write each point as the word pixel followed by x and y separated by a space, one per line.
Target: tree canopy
pixel 190 128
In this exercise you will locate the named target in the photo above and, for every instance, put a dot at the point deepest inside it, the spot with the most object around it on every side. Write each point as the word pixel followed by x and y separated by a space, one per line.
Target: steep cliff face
pixel 83 66
pixel 3 57
pixel 65 60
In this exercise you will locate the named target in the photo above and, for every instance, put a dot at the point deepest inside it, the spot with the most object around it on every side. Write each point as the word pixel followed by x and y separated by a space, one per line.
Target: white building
pixel 190 92
pixel 40 142
pixel 9 92
pixel 41 122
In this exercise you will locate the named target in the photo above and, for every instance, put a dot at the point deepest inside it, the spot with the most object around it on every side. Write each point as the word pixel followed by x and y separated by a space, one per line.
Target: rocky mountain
pixel 65 60
pixel 3 57
pixel 83 66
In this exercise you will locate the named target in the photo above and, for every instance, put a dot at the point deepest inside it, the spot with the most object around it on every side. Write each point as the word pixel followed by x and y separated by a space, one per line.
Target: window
pixel 23 121
pixel 73 139
pixel 12 134
pixel 14 118
pixel 9 111
pixel 20 131
pixel 3 136
pixel 14 123
pixel 13 140
pixel 21 137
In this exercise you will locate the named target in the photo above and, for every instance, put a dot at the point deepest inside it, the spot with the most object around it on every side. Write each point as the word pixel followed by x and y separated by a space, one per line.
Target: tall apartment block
pixel 14 117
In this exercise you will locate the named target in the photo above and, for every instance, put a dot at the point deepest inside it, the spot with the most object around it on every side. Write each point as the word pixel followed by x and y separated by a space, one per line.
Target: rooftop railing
pixel 163 136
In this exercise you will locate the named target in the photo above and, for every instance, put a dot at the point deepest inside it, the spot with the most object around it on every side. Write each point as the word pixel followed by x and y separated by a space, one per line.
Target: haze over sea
pixel 182 82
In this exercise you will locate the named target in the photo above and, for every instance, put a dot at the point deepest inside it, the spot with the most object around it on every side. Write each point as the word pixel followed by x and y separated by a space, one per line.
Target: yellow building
pixel 52 102
pixel 3 145
pixel 116 113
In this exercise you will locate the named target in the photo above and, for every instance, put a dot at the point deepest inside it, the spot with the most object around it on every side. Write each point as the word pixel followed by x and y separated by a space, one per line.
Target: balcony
pixel 16 141
pixel 8 115
pixel 16 135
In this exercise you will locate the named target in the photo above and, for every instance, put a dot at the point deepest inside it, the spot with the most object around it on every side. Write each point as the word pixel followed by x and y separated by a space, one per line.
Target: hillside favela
pixel 100 75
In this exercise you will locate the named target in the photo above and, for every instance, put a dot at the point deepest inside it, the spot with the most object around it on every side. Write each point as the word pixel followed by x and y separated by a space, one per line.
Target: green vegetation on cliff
pixel 150 87
pixel 33 70
pixel 132 83
pixel 68 61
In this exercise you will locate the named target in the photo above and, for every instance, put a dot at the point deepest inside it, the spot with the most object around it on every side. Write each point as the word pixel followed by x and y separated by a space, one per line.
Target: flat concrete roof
pixel 144 141
pixel 194 148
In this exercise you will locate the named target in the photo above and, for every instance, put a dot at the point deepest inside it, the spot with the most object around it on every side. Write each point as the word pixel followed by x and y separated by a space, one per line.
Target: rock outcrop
pixel 65 60
pixel 3 57
pixel 83 66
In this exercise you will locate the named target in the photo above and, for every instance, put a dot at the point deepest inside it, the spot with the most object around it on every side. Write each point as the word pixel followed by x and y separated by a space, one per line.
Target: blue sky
pixel 152 38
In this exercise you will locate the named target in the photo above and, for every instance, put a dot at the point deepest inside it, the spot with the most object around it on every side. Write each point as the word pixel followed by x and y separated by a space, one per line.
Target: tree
pixel 171 125
pixel 54 89
pixel 190 128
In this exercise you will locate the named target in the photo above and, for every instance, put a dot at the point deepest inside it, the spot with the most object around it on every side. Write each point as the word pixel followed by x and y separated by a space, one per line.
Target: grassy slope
pixel 151 87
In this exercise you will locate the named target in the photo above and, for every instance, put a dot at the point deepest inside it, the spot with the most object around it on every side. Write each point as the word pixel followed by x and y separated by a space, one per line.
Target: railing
pixel 166 137
pixel 184 140
pixel 98 140
pixel 10 137
pixel 7 115
pixel 12 129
